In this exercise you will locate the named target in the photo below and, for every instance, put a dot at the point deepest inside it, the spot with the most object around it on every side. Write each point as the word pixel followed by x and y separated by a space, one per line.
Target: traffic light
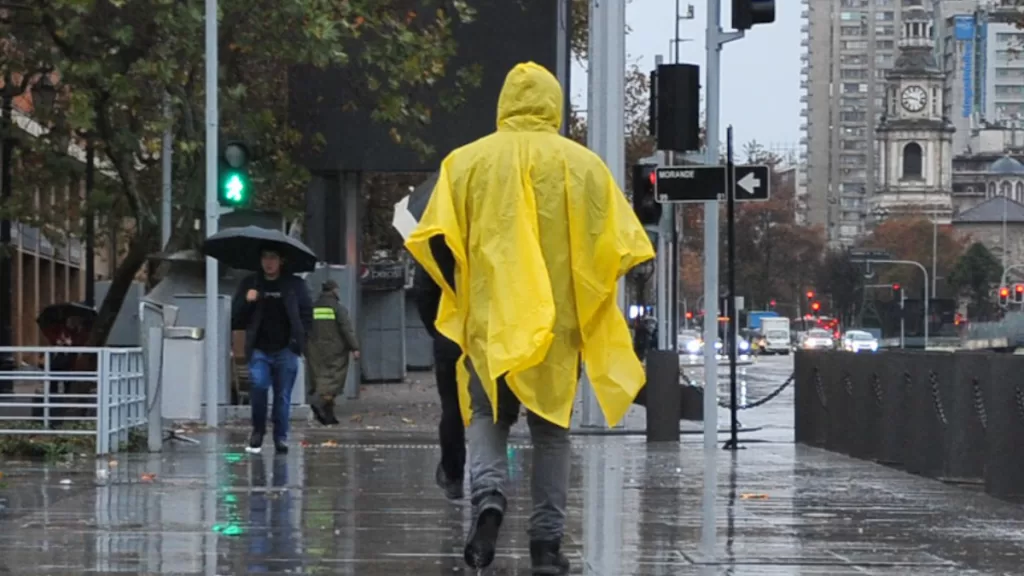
pixel 771 303
pixel 689 315
pixel 749 13
pixel 646 206
pixel 896 288
pixel 1018 291
pixel 1004 295
pixel 233 180
pixel 810 294
pixel 816 306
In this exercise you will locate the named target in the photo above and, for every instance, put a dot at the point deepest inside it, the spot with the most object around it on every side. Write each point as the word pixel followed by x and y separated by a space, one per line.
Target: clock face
pixel 914 98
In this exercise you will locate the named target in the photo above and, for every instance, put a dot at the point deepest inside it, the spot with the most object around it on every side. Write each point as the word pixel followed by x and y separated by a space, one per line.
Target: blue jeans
pixel 277 371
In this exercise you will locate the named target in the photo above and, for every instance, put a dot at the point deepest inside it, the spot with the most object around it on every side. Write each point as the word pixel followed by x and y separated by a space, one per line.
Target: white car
pixel 818 339
pixel 859 341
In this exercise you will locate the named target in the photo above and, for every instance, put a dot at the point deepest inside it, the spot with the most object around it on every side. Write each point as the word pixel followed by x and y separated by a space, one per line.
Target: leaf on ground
pixel 753 496
pixel 357 418
pixel 112 463
pixel 329 443
pixel 147 477
pixel 407 420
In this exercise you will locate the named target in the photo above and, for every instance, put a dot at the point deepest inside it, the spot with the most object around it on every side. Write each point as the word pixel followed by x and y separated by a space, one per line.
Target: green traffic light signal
pixel 234 188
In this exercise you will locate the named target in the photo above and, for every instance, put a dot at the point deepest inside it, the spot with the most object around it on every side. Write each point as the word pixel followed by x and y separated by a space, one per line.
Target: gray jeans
pixel 488 452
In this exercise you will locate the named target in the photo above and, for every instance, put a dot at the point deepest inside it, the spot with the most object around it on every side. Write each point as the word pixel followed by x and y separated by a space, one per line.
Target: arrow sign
pixel 753 183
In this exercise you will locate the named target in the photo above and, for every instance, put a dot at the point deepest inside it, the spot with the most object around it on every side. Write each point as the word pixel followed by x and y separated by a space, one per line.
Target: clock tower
pixel 915 140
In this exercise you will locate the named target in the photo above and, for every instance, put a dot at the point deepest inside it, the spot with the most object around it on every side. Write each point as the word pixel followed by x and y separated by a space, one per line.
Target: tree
pixel 115 60
pixel 842 279
pixel 973 276
pixel 910 238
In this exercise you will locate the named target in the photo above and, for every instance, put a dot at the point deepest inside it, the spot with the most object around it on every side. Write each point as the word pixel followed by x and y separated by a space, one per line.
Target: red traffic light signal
pixel 1004 292
pixel 810 294
pixel 896 287
pixel 1019 288
pixel 689 315
pixel 816 306
pixel 771 303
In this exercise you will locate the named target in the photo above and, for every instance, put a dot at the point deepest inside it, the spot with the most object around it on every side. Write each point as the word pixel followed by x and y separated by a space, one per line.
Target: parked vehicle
pixel 859 341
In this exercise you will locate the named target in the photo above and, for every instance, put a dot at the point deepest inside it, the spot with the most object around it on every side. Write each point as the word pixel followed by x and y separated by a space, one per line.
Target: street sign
pixel 870 255
pixel 684 184
pixel 753 183
pixel 680 184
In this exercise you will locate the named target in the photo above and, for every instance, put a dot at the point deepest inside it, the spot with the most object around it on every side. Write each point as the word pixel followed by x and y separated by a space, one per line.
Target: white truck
pixel 776 335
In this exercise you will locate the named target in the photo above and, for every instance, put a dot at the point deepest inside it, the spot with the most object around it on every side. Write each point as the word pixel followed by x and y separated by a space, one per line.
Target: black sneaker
pixel 546 558
pixel 255 443
pixel 280 447
pixel 483 538
pixel 453 490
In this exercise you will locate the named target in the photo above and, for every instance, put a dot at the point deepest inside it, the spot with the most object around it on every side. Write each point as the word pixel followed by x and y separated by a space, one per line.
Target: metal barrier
pixel 99 392
pixel 952 416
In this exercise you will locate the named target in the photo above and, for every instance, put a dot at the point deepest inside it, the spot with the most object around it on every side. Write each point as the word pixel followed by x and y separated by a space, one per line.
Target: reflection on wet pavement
pixel 365 503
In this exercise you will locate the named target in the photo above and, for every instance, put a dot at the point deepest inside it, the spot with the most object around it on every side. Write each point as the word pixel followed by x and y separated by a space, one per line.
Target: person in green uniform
pixel 330 343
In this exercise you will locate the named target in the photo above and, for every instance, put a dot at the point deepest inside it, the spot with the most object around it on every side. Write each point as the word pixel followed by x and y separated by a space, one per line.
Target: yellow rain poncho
pixel 539 234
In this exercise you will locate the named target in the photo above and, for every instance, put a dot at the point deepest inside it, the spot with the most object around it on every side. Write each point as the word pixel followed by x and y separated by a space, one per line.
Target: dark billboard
pixel 503 33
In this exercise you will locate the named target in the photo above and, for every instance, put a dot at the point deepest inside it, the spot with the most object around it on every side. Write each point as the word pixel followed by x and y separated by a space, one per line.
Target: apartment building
pixel 982 52
pixel 849 46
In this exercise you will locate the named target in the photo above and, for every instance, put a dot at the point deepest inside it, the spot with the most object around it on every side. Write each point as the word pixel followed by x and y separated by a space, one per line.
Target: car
pixel 690 342
pixel 776 341
pixel 859 341
pixel 817 339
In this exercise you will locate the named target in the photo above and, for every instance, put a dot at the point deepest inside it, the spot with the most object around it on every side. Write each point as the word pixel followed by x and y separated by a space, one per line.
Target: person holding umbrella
pixel 274 308
pixel 330 344
pixel 527 234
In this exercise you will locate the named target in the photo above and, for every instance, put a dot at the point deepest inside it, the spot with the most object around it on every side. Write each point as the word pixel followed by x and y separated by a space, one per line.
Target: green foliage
pixel 974 275
pixel 52 447
pixel 117 61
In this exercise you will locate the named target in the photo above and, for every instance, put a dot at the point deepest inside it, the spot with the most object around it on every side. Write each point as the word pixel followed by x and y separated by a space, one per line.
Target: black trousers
pixel 451 431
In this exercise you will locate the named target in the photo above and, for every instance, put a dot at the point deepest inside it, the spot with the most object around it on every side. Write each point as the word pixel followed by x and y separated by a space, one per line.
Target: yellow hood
pixel 527 234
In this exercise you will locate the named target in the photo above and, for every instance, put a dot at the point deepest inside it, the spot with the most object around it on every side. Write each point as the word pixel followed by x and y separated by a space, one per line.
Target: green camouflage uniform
pixel 330 344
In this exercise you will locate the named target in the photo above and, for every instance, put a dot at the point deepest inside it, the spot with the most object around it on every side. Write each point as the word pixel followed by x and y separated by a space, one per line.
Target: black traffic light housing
pixel 749 13
pixel 896 288
pixel 810 294
pixel 1018 293
pixel 647 208
pixel 1004 295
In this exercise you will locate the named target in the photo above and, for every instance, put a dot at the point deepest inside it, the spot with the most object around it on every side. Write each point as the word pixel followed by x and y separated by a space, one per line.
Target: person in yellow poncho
pixel 527 234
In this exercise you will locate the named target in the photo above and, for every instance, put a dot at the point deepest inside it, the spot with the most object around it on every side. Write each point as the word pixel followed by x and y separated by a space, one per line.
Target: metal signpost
pixel 212 216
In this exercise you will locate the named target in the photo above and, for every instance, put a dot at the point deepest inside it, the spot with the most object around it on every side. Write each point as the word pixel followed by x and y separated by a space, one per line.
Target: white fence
pixel 97 392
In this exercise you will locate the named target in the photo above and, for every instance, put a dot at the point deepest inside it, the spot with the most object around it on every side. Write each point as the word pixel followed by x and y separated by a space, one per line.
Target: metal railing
pixel 98 392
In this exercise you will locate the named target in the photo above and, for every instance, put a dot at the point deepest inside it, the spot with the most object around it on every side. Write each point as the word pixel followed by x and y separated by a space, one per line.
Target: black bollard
pixel 1004 407
pixel 664 396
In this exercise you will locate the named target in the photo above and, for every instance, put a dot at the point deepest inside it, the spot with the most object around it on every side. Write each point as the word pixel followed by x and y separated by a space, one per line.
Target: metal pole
pixel 605 124
pixel 6 249
pixel 676 60
pixel 730 199
pixel 716 38
pixel 935 255
pixel 90 224
pixel 166 152
pixel 903 299
pixel 1003 262
pixel 212 216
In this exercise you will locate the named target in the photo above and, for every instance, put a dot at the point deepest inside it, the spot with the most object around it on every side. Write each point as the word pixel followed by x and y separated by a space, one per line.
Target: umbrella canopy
pixel 242 248
pixel 61 313
pixel 410 209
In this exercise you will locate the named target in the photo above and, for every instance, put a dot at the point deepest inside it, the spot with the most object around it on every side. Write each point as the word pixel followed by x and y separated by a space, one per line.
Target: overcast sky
pixel 760 73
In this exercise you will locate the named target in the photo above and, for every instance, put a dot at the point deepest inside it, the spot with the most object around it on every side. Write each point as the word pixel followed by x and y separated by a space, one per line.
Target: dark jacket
pixel 247 315
pixel 428 299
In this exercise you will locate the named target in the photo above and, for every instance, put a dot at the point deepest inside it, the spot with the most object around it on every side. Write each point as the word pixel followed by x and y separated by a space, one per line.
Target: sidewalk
pixel 360 500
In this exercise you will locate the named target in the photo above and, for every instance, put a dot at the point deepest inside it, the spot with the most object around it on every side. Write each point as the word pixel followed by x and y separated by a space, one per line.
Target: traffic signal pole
pixel 212 217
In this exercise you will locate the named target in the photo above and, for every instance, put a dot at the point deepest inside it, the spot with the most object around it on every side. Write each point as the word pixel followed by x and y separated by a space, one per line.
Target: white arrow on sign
pixel 749 183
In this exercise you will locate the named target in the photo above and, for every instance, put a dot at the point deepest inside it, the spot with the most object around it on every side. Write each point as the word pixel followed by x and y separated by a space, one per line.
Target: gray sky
pixel 760 73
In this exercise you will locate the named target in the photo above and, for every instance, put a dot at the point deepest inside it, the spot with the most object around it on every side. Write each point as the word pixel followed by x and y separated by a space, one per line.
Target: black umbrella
pixel 242 248
pixel 58 314
pixel 410 209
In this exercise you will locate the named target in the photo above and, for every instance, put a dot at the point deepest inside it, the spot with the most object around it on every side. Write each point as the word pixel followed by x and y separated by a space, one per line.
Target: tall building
pixel 849 46
pixel 980 49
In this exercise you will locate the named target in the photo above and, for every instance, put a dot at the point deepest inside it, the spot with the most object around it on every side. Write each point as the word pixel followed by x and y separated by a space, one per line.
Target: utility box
pixel 382 330
pixel 183 373
pixel 192 312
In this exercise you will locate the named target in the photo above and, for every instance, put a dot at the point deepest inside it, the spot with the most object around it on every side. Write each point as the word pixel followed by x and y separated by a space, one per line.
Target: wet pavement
pixel 362 501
